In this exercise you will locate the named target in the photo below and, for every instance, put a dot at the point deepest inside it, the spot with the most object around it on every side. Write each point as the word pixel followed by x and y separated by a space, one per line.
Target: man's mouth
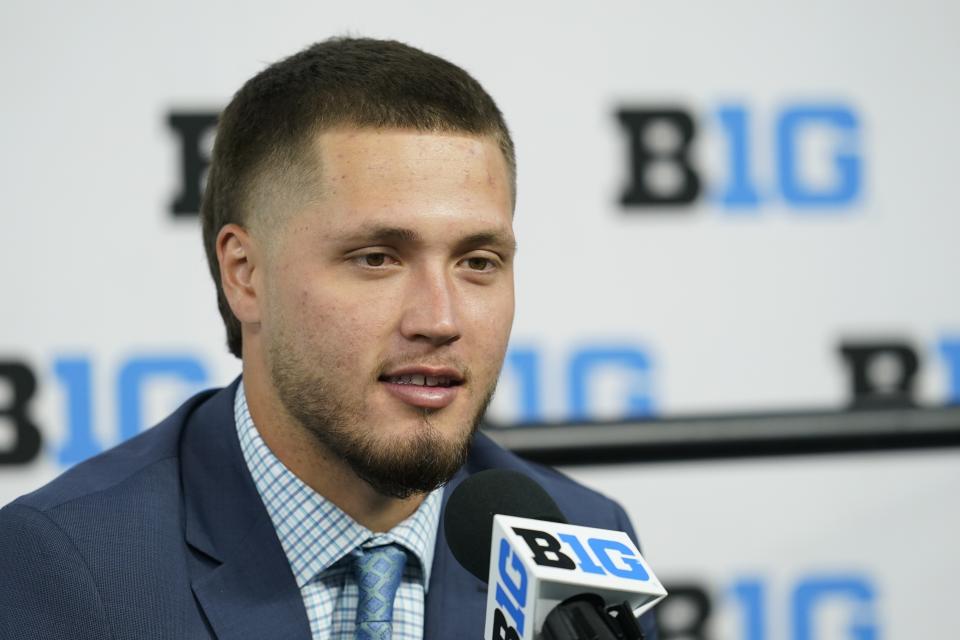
pixel 428 381
pixel 423 387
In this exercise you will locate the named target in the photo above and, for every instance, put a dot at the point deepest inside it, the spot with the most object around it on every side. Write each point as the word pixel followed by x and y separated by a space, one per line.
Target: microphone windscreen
pixel 468 521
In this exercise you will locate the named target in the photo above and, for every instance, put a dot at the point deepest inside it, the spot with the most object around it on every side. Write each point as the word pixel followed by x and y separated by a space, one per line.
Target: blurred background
pixel 737 227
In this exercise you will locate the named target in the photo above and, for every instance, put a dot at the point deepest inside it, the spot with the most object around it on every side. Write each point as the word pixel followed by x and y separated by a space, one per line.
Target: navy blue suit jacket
pixel 165 536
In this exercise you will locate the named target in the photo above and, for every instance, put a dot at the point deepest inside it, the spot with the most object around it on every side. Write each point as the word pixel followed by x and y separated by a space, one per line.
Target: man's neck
pixel 321 470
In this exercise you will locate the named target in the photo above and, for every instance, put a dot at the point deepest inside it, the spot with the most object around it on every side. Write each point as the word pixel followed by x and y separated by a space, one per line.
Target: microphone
pixel 548 580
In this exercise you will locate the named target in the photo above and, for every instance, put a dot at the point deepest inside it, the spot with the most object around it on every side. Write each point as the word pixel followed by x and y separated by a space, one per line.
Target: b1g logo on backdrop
pixel 804 156
pixel 195 131
pixel 814 606
pixel 130 384
pixel 884 373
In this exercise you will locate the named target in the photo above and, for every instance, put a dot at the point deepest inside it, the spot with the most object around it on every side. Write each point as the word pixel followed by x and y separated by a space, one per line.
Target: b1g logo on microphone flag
pixel 535 565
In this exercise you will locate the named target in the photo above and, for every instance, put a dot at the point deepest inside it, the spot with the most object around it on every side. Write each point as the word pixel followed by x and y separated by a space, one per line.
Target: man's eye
pixel 480 264
pixel 374 259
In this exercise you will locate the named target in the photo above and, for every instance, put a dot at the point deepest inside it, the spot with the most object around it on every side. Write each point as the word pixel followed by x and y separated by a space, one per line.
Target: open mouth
pixel 424 387
pixel 423 380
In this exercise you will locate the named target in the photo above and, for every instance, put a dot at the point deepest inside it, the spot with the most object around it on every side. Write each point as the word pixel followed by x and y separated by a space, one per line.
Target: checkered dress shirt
pixel 319 540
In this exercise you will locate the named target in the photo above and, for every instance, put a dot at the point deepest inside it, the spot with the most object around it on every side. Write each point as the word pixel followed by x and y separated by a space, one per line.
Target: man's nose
pixel 430 313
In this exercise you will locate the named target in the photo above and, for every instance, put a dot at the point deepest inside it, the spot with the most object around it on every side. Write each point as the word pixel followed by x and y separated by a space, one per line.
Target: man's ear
pixel 239 275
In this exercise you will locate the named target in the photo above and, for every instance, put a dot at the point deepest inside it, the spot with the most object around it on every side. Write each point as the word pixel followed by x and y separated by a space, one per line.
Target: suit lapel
pixel 241 577
pixel 253 595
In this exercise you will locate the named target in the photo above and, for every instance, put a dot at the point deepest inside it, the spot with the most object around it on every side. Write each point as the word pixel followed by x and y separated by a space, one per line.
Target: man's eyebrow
pixel 499 239
pixel 383 234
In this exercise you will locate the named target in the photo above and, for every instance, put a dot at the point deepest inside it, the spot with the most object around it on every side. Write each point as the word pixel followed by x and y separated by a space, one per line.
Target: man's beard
pixel 398 468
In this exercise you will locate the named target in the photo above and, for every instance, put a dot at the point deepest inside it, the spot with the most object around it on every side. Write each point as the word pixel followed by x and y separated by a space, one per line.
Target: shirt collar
pixel 315 534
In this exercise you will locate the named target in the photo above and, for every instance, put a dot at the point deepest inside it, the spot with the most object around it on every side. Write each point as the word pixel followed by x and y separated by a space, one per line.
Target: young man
pixel 358 225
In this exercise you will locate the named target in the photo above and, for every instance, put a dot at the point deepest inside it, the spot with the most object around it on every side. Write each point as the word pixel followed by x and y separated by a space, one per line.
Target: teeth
pixel 429 381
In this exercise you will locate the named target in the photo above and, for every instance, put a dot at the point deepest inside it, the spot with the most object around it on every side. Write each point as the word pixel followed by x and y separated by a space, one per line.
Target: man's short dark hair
pixel 264 137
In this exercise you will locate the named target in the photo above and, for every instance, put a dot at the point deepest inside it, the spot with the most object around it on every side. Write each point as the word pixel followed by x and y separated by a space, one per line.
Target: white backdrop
pixel 712 306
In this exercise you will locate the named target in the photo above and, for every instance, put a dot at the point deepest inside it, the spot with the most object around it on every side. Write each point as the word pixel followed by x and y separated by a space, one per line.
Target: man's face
pixel 389 302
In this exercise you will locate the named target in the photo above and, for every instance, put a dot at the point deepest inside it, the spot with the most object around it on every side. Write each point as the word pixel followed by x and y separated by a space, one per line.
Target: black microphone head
pixel 468 522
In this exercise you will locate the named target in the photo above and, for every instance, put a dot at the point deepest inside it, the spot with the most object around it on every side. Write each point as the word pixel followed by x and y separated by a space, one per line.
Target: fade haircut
pixel 262 152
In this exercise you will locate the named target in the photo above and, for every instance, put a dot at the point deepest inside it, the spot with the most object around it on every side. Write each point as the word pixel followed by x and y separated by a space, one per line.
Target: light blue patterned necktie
pixel 378 572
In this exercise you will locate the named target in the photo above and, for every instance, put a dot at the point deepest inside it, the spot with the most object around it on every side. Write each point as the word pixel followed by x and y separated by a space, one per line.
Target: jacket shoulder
pixel 117 466
pixel 48 591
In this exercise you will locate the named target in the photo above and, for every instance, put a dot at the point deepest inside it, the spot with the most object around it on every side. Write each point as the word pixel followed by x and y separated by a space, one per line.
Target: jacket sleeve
pixel 648 621
pixel 46 589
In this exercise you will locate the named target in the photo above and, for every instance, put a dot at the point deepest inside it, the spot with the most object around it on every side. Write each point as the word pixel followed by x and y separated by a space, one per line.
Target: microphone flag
pixel 535 565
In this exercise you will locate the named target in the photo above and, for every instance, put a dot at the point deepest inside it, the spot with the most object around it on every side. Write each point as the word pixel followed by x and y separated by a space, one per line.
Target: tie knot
pixel 378 572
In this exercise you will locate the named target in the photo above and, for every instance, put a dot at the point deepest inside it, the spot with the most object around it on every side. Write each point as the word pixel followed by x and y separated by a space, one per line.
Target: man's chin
pixel 418 465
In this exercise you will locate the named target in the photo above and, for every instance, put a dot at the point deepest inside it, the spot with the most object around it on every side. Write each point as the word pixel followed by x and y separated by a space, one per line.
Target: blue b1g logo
pixel 534 375
pixel 606 557
pixel 132 381
pixel 593 555
pixel 510 618
pixel 813 151
pixel 815 606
